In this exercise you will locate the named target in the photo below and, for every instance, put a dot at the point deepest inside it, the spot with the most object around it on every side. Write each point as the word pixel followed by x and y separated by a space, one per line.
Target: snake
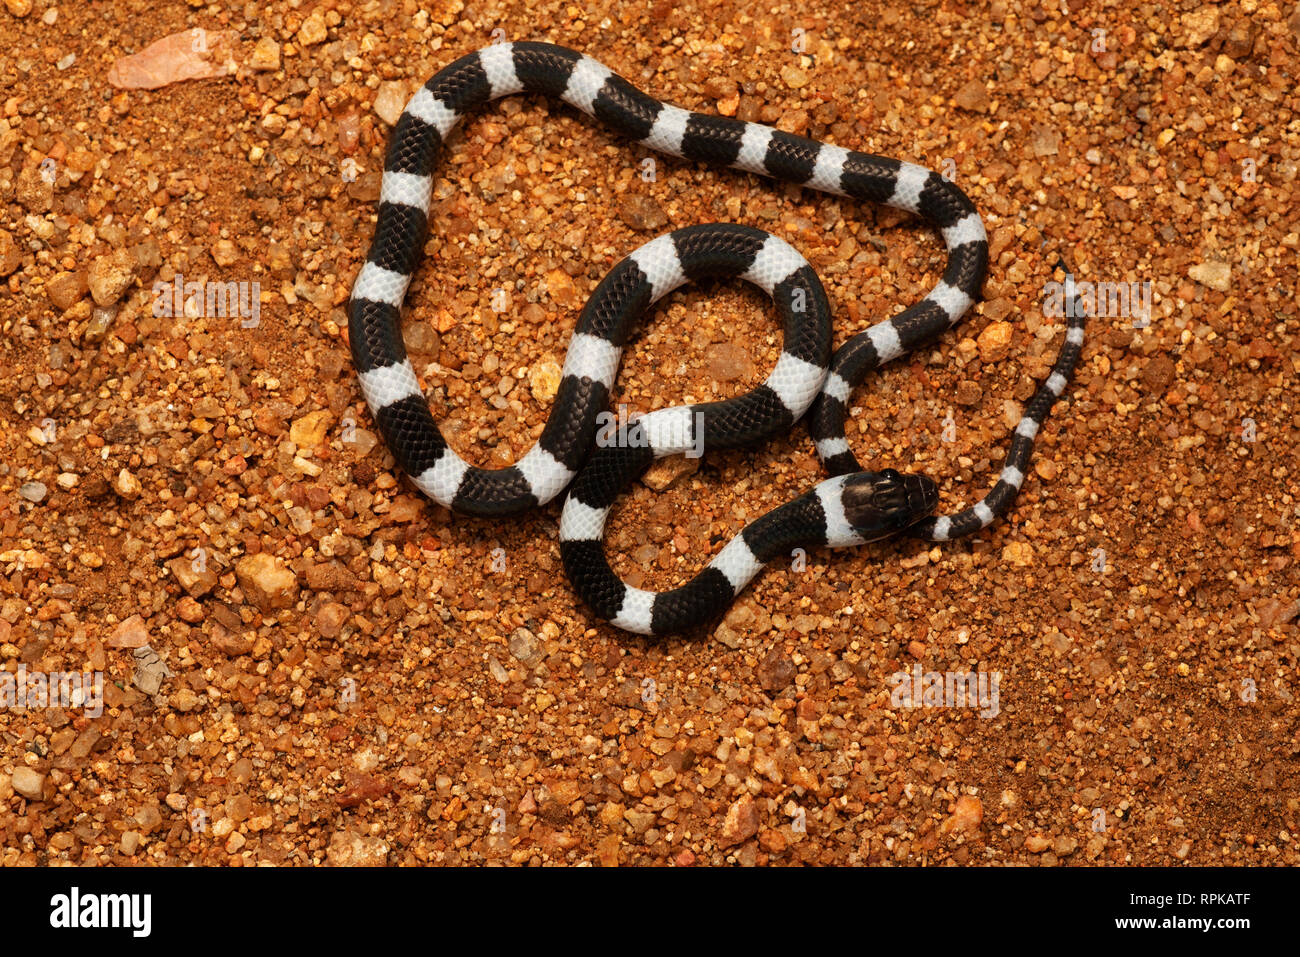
pixel 852 507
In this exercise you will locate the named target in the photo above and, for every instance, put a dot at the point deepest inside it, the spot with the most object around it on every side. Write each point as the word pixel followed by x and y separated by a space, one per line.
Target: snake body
pixel 852 507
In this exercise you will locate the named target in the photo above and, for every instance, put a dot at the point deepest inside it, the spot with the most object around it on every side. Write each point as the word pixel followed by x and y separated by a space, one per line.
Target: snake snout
pixel 922 494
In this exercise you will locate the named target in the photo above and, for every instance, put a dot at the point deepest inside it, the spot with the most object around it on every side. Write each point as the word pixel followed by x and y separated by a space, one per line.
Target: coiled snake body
pixel 853 507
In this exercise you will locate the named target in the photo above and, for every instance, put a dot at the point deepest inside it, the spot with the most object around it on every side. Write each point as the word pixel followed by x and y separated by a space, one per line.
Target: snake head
pixel 880 504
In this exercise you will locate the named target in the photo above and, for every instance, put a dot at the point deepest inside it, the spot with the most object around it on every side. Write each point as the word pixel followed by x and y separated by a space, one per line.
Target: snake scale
pixel 852 507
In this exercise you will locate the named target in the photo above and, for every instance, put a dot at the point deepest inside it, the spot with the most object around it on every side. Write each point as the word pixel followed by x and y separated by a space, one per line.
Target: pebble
pixel 35 189
pixel 330 619
pixel 349 132
pixel 309 431
pixel 995 341
pixel 331 577
pixel 642 212
pixel 728 636
pixel 196 575
pixel 776 671
pixel 28 783
pixel 84 743
pixel 101 320
pixel 1216 275
pixel 126 485
pixel 1273 611
pixel 131 633
pixel 544 380
pixel 974 96
pixel 525 647
pixel 666 472
pixel 1200 24
pixel 148 818
pixel 189 610
pixel 1158 374
pixel 184 699
pixel 351 849
pixel 1019 554
pixel 607 850
pixel 741 822
pixel 67 289
pixel 611 813
pixel 33 491
pixel 110 276
pixel 640 819
pixel 730 361
pixel 390 101
pixel 794 77
pixel 11 254
pixel 267 582
pixel 19 8
pixel 265 55
pixel 969 393
pixel 967 815
pixel 174 58
pixel 313 30
pixel 361 441
pixel 1045 141
pixel 224 253
pixel 559 284
pixel 229 643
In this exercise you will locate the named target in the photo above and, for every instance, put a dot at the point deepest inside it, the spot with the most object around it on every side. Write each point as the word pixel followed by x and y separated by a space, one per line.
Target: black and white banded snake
pixel 853 507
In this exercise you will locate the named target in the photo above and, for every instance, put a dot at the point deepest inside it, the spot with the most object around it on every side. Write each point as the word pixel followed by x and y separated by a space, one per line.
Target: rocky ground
pixel 305 661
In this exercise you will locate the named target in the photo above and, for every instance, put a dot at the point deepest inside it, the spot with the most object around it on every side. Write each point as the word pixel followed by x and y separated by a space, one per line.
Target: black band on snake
pixel 853 507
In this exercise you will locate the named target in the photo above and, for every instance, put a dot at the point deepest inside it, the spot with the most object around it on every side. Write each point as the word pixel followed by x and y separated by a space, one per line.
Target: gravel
pixel 303 604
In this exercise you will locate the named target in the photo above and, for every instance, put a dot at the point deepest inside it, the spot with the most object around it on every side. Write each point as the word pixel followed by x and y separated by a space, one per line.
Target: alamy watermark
pixel 74 909
pixel 212 300
pixel 679 429
pixel 1103 300
pixel 54 689
pixel 946 689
